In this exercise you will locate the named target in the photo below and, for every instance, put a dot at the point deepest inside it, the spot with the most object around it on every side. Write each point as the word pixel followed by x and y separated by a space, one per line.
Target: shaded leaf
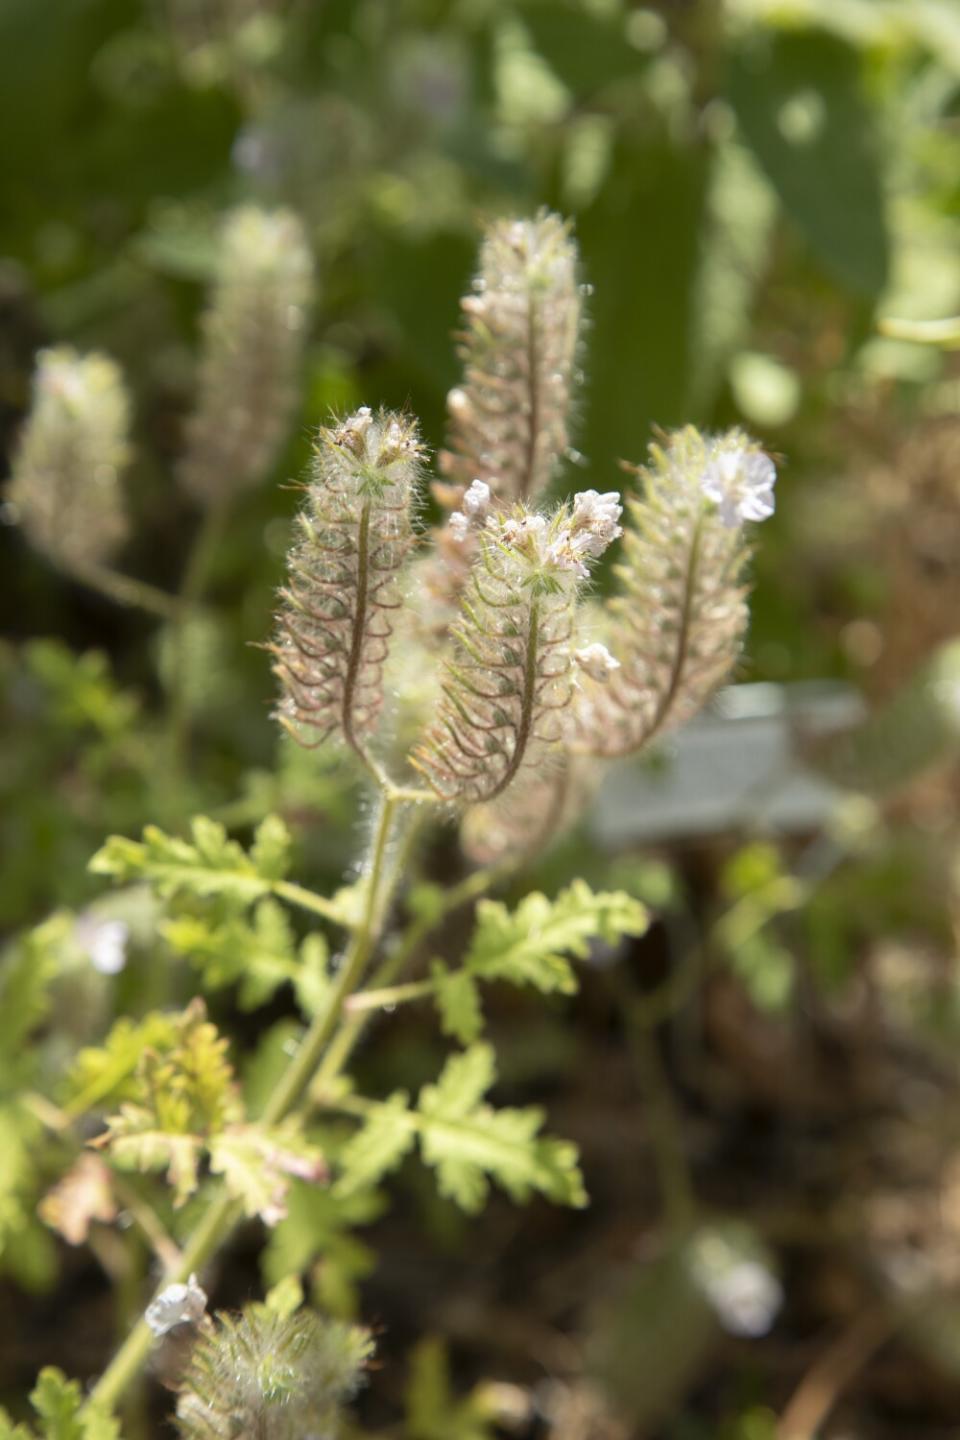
pixel 798 99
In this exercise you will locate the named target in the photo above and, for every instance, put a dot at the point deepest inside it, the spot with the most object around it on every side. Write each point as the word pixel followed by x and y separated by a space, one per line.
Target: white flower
pixel 595 520
pixel 459 526
pixel 586 532
pixel 590 507
pixel 739 1286
pixel 105 942
pixel 741 483
pixel 519 531
pixel 476 501
pixel 746 1298
pixel 597 662
pixel 177 1305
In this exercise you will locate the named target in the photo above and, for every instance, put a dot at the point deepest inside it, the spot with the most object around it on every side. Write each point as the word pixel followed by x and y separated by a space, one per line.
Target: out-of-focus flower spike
pixel 73 448
pixel 675 626
pixel 536 811
pixel 335 619
pixel 254 332
pixel 274 1376
pixel 509 680
pixel 509 416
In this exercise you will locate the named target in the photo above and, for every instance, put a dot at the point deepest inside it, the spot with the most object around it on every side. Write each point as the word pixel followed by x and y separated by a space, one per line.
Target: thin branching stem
pixel 223 1213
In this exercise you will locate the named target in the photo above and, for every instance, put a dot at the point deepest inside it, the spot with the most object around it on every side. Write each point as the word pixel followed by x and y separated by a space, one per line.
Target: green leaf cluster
pixel 62 1413
pixel 259 952
pixel 180 1103
pixel 208 864
pixel 28 969
pixel 531 946
pixel 466 1141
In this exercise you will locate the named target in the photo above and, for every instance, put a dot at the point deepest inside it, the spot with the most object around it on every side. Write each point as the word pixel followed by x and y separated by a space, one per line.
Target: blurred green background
pixel 755 186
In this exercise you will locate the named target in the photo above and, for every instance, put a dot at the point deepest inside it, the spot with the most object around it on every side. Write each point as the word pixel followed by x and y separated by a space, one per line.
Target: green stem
pixel 192 587
pixel 125 590
pixel 352 1026
pixel 299 1072
pixel 218 1222
pixel 665 1128
pixel 306 899
pixel 388 996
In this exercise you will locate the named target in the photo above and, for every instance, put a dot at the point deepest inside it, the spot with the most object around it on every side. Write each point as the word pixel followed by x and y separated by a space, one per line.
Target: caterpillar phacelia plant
pixel 524 679
pixel 480 675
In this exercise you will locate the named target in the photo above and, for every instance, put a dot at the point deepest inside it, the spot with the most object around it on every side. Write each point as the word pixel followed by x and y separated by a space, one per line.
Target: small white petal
pixel 177 1305
pixel 596 661
pixel 740 482
pixel 477 499
pixel 745 1298
pixel 105 942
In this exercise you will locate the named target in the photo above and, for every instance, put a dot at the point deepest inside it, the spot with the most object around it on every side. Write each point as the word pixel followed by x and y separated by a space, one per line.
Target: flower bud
pixel 66 471
pixel 254 332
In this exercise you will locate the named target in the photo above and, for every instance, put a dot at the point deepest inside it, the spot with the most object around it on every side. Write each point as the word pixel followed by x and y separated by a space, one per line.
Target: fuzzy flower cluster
pixel 254 331
pixel 336 615
pixel 509 416
pixel 273 1376
pixel 676 621
pixel 508 686
pixel 73 448
pixel 509 678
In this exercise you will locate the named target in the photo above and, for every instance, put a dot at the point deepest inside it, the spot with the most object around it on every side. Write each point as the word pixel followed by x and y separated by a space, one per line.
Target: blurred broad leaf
pixel 798 101
pixel 586 51
pixel 640 245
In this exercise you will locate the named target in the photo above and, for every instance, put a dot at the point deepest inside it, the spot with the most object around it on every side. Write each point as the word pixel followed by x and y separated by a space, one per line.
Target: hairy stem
pixel 353 1024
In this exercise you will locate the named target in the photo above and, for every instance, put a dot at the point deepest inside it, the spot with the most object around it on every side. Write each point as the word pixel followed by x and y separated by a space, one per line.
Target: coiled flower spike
pixel 253 339
pixel 509 679
pixel 676 624
pixel 67 468
pixel 509 416
pixel 335 618
pixel 271 1376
